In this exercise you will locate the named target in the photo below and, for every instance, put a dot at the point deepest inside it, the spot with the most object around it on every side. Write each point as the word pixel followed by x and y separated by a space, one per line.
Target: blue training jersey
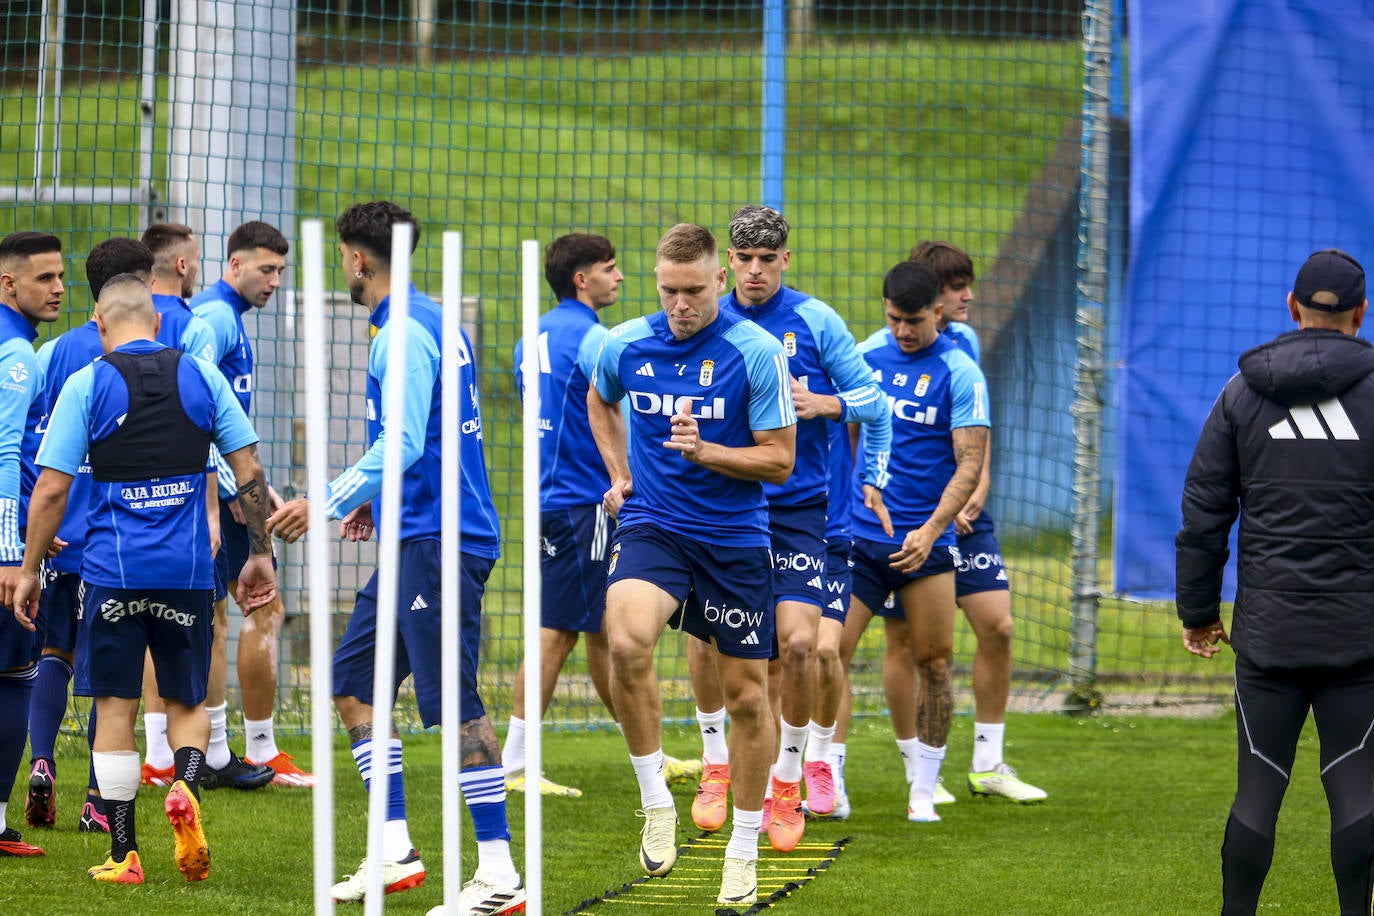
pixel 60 358
pixel 182 330
pixel 822 357
pixel 571 472
pixel 930 393
pixel 419 427
pixel 21 411
pixel 149 534
pixel 732 376
pixel 841 462
pixel 222 308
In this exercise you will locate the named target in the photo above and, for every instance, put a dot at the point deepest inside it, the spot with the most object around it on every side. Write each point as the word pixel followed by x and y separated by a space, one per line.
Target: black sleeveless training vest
pixel 157 438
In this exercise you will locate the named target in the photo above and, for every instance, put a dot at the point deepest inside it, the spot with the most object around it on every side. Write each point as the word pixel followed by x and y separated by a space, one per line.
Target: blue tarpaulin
pixel 1252 145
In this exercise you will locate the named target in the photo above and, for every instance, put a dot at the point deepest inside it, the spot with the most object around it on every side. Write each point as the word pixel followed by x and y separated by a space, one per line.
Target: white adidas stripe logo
pixel 419 604
pixel 1309 425
pixel 752 639
pixel 645 369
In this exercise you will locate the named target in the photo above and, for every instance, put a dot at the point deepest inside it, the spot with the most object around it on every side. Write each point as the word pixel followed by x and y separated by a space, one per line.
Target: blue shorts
pixel 59 607
pixel 117 624
pixel 839 577
pixel 798 547
pixel 980 566
pixel 233 551
pixel 876 582
pixel 731 591
pixel 576 545
pixel 418 646
pixel 19 648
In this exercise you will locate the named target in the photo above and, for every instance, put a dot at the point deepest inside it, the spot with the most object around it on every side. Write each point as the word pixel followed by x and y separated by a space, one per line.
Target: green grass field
pixel 1133 826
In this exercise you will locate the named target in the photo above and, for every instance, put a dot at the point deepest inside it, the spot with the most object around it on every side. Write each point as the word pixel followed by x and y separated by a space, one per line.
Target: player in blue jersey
pixel 355 496
pixel 176 265
pixel 31 292
pixel 981 586
pixel 257 259
pixel 144 417
pixel 711 419
pixel 938 400
pixel 830 381
pixel 60 605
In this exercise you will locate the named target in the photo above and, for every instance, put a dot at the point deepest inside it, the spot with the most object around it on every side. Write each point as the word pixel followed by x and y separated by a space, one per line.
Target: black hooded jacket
pixel 1289 446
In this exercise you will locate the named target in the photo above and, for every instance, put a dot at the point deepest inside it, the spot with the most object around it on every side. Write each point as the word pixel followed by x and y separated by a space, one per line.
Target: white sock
pixel 908 750
pixel 159 753
pixel 818 742
pixel 928 760
pixel 494 861
pixel 744 835
pixel 217 756
pixel 837 755
pixel 987 745
pixel 714 750
pixel 396 843
pixel 261 744
pixel 768 786
pixel 513 751
pixel 3 806
pixel 653 788
pixel 789 765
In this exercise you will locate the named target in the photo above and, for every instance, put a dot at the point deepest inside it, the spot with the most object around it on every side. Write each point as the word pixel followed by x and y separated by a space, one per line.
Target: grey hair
pixel 755 226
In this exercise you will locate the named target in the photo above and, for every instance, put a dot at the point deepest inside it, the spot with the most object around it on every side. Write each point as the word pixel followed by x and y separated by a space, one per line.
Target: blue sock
pixel 396 789
pixel 14 726
pixel 48 705
pixel 92 787
pixel 484 790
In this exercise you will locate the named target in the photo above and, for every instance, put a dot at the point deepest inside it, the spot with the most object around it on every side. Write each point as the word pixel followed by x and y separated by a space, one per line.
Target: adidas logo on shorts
pixel 815 582
pixel 752 639
pixel 836 605
pixel 419 604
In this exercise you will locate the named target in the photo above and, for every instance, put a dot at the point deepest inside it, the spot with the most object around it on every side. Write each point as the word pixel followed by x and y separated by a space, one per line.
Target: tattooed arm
pixel 970 444
pixel 257 580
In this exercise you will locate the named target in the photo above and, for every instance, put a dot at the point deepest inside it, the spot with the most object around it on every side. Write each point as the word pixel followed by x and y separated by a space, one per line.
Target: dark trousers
pixel 1271 707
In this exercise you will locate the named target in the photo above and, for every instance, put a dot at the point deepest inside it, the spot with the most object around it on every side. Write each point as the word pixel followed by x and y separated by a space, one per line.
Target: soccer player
pixel 829 381
pixel 938 400
pixel 354 496
pixel 31 292
pixel 176 265
pixel 257 259
pixel 144 417
pixel 711 418
pixel 60 605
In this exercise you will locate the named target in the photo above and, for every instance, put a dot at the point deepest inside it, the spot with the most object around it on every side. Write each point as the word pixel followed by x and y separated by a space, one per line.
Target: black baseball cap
pixel 1331 281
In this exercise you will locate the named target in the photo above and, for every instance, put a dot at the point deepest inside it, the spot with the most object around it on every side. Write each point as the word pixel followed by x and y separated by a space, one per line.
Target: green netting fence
pixel 887 123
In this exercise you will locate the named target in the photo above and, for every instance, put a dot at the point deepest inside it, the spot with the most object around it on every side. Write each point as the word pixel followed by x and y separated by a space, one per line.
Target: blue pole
pixel 774 100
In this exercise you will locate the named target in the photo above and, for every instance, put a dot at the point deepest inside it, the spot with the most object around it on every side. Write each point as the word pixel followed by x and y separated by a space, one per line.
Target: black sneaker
pixel 236 774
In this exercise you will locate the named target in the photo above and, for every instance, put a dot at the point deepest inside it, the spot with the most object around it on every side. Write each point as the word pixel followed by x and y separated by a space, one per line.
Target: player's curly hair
pixel 568 254
pixel 685 243
pixel 112 257
pixel 368 226
pixel 755 226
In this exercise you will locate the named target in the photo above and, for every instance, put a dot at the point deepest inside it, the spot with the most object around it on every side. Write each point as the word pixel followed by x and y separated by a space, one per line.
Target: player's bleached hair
pixel 166 241
pixel 257 234
pixel 112 257
pixel 126 298
pixel 568 254
pixel 20 246
pixel 686 243
pixel 369 225
pixel 755 226
pixel 952 264
pixel 911 287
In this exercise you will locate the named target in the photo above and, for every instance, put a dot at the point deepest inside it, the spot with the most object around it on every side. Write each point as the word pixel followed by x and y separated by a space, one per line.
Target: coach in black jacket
pixel 1289 446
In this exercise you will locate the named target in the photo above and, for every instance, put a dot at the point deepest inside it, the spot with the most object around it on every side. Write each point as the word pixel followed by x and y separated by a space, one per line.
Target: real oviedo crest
pixel 789 344
pixel 708 367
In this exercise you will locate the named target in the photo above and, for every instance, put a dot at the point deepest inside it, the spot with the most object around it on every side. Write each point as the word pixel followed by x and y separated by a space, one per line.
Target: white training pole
pixel 388 559
pixel 534 757
pixel 450 503
pixel 317 561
